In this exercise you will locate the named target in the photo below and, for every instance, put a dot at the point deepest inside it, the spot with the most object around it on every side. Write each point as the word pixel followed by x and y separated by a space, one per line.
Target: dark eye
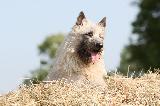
pixel 89 34
pixel 101 36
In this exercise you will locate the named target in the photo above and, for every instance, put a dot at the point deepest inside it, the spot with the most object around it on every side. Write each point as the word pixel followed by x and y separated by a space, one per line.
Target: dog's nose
pixel 99 45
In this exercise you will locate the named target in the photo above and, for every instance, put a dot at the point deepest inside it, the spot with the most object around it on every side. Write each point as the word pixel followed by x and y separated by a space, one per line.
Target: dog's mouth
pixel 96 52
pixel 95 56
pixel 89 54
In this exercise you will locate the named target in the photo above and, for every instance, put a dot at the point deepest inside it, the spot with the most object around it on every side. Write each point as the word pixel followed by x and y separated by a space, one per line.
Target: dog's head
pixel 91 35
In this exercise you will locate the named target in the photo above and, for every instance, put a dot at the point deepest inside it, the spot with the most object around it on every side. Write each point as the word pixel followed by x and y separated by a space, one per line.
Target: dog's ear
pixel 80 18
pixel 103 22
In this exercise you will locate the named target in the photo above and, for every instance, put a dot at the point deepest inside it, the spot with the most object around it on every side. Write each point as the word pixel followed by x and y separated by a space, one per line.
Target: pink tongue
pixel 94 56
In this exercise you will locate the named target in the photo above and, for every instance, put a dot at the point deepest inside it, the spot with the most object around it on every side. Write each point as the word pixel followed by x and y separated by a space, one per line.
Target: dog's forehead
pixel 90 26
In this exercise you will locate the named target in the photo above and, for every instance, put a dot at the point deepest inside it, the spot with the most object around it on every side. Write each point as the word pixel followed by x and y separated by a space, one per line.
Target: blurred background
pixel 31 30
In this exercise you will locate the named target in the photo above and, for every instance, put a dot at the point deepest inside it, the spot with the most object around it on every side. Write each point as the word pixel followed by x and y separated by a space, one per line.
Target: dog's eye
pixel 101 36
pixel 89 34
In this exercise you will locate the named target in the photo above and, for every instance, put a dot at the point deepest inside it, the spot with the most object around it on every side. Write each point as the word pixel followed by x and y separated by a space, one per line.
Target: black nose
pixel 99 45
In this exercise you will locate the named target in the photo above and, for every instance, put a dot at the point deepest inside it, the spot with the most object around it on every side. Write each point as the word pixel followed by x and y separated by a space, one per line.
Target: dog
pixel 80 56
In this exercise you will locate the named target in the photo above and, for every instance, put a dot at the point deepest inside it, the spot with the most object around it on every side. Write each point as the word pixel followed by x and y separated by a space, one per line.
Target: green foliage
pixel 144 50
pixel 36 76
pixel 50 45
pixel 48 49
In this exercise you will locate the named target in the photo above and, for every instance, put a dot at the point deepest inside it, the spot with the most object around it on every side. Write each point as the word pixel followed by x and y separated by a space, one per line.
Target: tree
pixel 144 50
pixel 47 50
pixel 50 45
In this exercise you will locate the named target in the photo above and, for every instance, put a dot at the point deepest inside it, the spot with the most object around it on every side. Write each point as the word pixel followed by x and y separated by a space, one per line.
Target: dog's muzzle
pixel 97 47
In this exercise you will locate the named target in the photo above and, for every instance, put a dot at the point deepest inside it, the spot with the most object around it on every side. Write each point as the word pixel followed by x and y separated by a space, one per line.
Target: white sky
pixel 25 23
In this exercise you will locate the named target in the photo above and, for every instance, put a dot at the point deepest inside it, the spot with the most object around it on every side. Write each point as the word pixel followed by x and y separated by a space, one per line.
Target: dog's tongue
pixel 94 56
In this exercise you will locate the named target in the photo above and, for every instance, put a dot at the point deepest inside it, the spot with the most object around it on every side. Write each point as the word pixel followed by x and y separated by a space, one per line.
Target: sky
pixel 25 23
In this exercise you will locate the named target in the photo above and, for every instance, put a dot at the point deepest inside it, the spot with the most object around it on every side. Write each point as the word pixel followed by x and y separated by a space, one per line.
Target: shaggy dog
pixel 80 56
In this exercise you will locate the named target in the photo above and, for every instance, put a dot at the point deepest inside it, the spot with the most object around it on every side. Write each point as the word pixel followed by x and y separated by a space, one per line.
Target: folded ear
pixel 103 22
pixel 80 18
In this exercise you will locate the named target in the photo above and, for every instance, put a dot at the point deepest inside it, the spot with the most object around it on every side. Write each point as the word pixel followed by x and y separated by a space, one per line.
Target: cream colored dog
pixel 80 56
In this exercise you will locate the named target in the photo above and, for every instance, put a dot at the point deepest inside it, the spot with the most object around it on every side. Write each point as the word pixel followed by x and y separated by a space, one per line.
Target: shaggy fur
pixel 80 56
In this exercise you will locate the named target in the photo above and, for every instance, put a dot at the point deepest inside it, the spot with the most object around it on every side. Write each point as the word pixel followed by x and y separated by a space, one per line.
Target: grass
pixel 120 91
